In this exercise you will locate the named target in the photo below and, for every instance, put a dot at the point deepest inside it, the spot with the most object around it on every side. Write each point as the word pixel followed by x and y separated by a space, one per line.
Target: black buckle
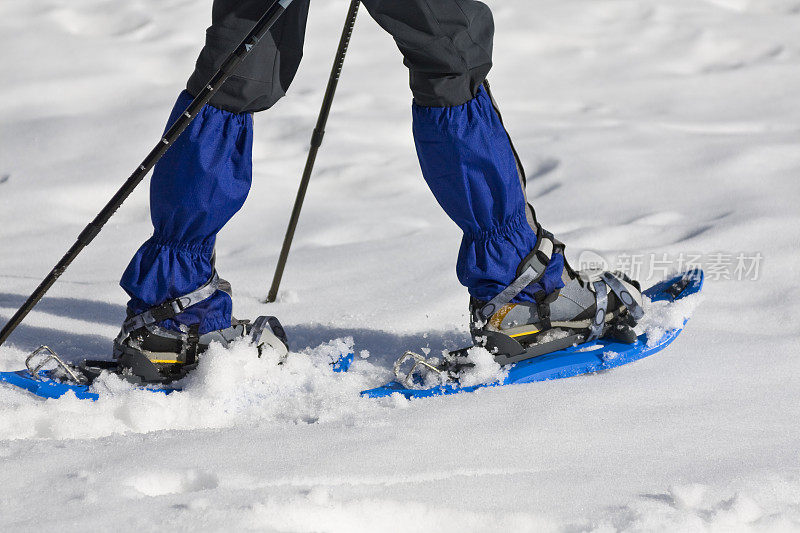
pixel 543 307
pixel 193 344
pixel 166 310
pixel 544 311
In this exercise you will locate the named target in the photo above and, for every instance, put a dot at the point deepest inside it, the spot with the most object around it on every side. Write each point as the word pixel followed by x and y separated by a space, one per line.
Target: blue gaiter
pixel 467 161
pixel 199 184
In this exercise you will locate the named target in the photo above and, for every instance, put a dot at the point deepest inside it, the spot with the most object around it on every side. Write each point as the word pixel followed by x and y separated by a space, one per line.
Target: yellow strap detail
pixel 500 314
pixel 525 333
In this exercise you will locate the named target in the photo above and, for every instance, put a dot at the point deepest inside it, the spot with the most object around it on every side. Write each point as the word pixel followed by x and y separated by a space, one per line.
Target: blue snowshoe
pixel 569 348
pixel 594 310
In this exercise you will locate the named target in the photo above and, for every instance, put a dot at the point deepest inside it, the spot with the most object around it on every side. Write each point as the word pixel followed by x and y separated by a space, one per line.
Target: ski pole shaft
pixel 316 142
pixel 261 27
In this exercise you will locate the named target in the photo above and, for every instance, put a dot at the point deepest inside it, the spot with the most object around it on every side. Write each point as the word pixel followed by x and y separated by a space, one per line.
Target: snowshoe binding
pixel 149 353
pixel 590 306
pixel 144 352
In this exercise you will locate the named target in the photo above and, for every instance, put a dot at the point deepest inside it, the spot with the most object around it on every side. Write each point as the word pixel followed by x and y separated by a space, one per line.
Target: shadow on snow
pixel 75 308
pixel 384 347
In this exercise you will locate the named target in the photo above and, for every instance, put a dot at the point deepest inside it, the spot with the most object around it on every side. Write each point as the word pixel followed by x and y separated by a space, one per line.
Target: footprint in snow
pixel 545 166
pixel 176 482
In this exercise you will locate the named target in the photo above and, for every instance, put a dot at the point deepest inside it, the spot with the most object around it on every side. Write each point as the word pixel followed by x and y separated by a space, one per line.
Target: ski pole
pixel 316 142
pixel 272 14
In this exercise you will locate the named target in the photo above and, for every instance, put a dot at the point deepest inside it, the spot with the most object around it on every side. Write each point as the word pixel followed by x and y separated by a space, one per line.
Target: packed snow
pixel 663 316
pixel 657 134
pixel 484 369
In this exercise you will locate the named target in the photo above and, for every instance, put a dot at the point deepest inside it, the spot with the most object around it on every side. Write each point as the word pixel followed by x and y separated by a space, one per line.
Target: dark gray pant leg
pixel 447 45
pixel 264 76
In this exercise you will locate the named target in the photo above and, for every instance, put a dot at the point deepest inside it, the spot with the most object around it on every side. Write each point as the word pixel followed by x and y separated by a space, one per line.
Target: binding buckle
pixel 167 310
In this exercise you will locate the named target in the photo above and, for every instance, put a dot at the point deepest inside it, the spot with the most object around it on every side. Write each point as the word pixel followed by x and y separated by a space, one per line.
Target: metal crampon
pixel 45 354
pixel 420 362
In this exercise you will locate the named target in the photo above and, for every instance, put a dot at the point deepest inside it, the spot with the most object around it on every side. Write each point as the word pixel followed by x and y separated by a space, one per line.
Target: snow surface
pixel 647 127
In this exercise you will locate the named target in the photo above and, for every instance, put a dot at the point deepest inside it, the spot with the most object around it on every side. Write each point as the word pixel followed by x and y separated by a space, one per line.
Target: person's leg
pixel 464 151
pixel 268 70
pixel 204 178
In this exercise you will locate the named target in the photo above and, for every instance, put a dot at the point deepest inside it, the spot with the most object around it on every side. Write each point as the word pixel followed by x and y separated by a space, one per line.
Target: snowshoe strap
pixel 530 271
pixel 267 330
pixel 601 306
pixel 170 308
pixel 625 297
pixel 192 344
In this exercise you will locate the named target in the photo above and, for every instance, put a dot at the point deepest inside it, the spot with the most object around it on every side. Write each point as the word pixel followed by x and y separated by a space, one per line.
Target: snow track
pixel 231 387
pixel 660 129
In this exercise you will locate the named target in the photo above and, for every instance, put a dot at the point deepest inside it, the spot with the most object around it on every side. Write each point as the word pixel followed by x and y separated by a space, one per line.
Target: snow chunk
pixel 689 496
pixel 485 371
pixel 663 316
pixel 699 507
pixel 610 355
pixel 553 335
pixel 230 387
